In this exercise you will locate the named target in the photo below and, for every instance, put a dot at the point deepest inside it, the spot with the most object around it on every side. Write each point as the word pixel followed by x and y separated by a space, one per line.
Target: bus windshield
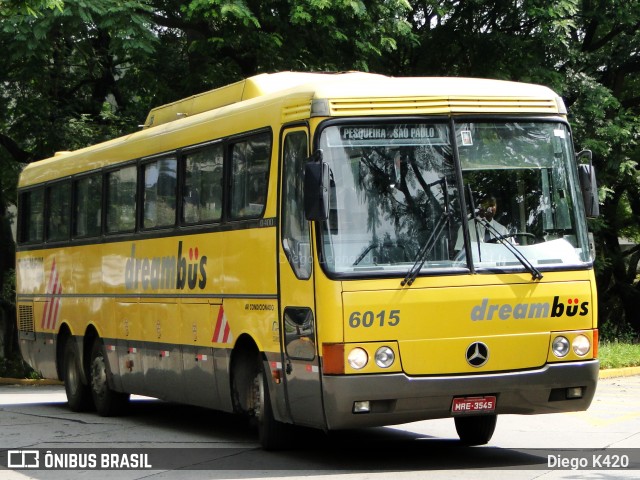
pixel 396 198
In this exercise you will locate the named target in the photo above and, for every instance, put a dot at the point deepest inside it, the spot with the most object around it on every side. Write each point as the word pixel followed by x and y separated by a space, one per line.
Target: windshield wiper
pixel 425 250
pixel 535 273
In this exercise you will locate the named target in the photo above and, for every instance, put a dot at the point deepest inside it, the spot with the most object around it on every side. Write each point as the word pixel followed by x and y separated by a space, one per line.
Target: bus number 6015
pixel 369 318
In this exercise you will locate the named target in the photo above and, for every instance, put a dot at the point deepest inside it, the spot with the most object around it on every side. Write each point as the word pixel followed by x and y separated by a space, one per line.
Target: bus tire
pixel 476 430
pixel 274 435
pixel 78 394
pixel 108 402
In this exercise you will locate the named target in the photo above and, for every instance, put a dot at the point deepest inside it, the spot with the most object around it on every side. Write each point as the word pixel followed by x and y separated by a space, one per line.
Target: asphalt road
pixel 183 442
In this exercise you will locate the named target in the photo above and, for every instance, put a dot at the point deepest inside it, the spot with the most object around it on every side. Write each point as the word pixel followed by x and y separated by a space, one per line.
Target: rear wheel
pixel 476 430
pixel 107 401
pixel 78 394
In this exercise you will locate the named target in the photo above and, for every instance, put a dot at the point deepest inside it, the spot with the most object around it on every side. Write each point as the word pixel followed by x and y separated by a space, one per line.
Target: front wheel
pixel 274 435
pixel 476 430
pixel 107 401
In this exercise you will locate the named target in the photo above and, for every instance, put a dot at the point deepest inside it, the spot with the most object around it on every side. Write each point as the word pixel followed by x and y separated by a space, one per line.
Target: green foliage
pixel 619 355
pixel 65 63
pixel 15 367
pixel 225 10
pixel 9 172
pixel 611 331
pixel 8 292
pixel 33 8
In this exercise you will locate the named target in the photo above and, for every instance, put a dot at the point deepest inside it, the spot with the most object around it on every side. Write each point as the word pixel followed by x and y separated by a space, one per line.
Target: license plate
pixel 473 404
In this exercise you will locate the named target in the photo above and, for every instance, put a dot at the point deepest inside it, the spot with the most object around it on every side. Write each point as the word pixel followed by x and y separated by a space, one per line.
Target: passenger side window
pixel 202 194
pixel 121 200
pixel 160 182
pixel 295 227
pixel 59 211
pixel 32 216
pixel 249 176
pixel 88 209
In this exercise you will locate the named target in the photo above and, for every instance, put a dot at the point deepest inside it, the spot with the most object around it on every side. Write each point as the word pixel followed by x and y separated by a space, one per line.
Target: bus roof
pixel 346 85
pixel 301 95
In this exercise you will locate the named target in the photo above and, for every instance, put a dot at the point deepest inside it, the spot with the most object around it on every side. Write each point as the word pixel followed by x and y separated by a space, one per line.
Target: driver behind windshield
pixel 477 230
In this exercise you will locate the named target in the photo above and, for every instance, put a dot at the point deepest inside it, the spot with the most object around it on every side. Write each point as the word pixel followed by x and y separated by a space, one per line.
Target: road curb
pixel 607 373
pixel 28 381
pixel 619 372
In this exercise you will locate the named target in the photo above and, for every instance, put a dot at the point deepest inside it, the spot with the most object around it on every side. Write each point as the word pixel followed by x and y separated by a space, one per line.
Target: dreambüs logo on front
pixel 166 273
pixel 505 311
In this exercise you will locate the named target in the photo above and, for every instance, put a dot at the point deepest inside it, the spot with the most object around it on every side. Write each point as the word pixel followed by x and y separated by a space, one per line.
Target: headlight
pixel 357 358
pixel 581 345
pixel 560 346
pixel 384 357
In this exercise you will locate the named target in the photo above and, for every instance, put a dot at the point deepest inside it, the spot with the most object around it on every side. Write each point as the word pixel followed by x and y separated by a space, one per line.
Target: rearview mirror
pixel 316 188
pixel 588 185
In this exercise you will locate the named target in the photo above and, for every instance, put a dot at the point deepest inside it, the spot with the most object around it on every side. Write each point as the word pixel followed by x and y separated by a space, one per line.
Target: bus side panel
pixel 39 351
pixel 200 387
pixel 221 365
pixel 130 346
pixel 162 360
pixel 29 280
pixel 39 321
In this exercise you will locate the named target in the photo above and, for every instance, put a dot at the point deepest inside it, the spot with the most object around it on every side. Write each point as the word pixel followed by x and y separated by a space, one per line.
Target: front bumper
pixel 398 398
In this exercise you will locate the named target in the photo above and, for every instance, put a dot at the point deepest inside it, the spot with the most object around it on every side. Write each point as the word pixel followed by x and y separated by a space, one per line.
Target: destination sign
pixel 404 134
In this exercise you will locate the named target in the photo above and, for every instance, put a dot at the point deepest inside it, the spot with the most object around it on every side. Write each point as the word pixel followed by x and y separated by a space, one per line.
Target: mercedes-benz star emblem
pixel 477 354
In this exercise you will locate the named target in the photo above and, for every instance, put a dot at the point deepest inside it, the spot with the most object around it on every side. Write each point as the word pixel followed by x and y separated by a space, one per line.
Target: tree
pixel 77 72
pixel 605 87
pixel 588 52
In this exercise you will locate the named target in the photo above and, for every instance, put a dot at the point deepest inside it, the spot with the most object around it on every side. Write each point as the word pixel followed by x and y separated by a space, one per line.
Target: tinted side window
pixel 160 182
pixel 32 216
pixel 59 213
pixel 121 200
pixel 202 195
pixel 295 227
pixel 249 176
pixel 88 210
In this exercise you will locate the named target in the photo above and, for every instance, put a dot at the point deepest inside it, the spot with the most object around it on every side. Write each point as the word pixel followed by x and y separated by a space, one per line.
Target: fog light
pixel 581 345
pixel 560 346
pixel 384 357
pixel 358 358
pixel 361 407
pixel 574 392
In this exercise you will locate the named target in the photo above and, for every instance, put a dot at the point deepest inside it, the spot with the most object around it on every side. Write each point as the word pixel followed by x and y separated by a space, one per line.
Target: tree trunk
pixel 8 339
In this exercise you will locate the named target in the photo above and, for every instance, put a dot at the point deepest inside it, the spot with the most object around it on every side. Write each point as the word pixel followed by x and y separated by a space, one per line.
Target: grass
pixel 619 355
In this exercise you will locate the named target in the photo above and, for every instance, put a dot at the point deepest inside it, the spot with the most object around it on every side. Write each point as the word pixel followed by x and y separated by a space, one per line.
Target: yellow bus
pixel 327 250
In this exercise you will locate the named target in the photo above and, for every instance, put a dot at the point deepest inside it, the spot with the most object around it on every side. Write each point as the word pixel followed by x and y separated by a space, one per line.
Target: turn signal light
pixel 333 358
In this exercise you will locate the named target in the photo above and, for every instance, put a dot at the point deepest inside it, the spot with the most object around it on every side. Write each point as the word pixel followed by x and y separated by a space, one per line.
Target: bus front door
pixel 297 313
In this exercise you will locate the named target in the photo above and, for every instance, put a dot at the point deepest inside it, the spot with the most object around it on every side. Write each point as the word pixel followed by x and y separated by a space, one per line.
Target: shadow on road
pixel 363 450
pixel 234 447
